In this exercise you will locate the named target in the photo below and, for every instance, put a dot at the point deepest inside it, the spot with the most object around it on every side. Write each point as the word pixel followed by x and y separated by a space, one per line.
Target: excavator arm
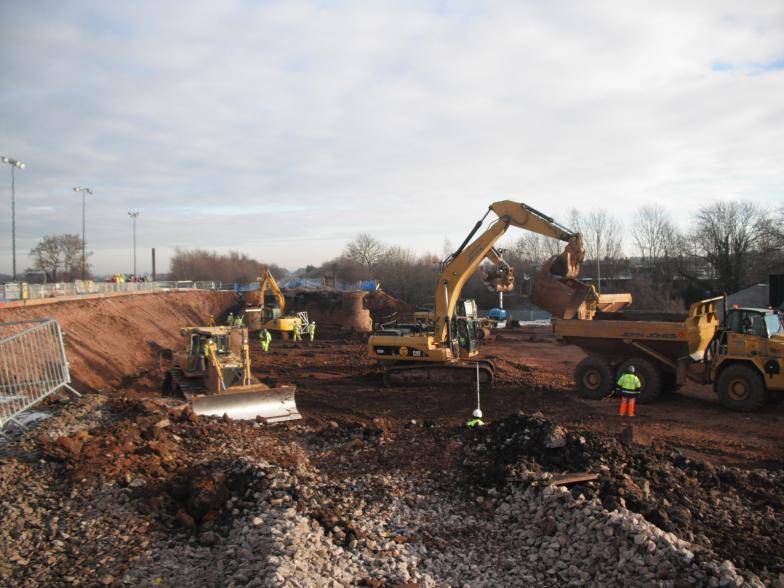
pixel 267 280
pixel 459 266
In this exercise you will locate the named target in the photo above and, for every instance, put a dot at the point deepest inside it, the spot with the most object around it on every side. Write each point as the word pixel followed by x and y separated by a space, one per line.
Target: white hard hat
pixel 477 413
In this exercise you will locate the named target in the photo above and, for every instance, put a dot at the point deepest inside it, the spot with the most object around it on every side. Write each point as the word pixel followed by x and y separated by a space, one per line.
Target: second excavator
pixel 273 316
pixel 431 352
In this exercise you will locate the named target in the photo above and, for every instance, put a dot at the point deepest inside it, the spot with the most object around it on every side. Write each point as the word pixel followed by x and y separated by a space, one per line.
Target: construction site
pixel 327 438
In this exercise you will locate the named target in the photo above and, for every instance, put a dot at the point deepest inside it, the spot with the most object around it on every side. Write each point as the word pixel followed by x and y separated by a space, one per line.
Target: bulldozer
pixel 273 316
pixel 432 351
pixel 212 371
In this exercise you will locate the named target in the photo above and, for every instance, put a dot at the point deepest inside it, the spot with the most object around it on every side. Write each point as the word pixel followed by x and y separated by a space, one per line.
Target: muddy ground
pixel 534 373
pixel 155 481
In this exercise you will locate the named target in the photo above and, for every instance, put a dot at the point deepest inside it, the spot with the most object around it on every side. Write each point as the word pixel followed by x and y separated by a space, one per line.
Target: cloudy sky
pixel 283 129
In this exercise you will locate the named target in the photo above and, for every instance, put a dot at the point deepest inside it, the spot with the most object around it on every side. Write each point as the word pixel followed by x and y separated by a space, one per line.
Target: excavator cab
pixel 467 338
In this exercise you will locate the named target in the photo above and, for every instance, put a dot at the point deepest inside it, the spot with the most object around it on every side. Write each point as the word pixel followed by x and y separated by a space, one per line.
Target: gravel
pixel 140 494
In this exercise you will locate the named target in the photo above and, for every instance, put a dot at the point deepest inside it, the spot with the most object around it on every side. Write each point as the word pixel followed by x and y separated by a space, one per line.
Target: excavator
pixel 432 351
pixel 212 372
pixel 273 318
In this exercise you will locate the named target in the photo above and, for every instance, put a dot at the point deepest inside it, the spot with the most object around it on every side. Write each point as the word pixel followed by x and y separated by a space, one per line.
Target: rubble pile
pixel 737 514
pixel 154 495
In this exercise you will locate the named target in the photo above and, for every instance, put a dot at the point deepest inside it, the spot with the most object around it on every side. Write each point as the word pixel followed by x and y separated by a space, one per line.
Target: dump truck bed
pixel 664 335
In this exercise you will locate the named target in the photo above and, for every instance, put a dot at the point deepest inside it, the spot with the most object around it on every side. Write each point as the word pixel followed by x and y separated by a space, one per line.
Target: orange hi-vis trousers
pixel 627 407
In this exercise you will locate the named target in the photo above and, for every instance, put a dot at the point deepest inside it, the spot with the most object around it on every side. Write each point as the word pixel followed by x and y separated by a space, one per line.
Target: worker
pixel 230 319
pixel 206 348
pixel 628 386
pixel 211 321
pixel 238 320
pixel 476 420
pixel 312 330
pixel 265 337
pixel 295 332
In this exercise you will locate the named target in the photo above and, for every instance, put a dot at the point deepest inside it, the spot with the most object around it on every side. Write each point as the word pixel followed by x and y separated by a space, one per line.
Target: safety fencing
pixel 321 283
pixel 23 291
pixel 32 366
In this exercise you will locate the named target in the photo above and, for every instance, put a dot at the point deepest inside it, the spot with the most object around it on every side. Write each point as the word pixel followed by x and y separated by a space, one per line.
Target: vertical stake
pixel 477 387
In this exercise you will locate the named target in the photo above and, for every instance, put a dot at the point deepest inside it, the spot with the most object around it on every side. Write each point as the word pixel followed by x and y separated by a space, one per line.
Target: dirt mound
pixel 108 340
pixel 385 308
pixel 161 454
pixel 736 513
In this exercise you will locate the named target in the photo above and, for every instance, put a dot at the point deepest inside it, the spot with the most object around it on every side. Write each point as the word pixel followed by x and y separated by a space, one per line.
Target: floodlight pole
pixel 84 191
pixel 14 164
pixel 133 216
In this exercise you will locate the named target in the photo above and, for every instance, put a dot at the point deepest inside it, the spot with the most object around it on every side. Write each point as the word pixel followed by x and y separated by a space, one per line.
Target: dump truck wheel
pixel 594 378
pixel 650 378
pixel 669 385
pixel 740 388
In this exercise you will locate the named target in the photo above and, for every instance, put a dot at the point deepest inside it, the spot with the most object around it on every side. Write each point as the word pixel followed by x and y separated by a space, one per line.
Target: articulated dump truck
pixel 742 356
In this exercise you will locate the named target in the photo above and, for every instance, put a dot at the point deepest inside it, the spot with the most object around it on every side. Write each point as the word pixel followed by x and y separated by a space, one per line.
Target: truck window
pixel 774 326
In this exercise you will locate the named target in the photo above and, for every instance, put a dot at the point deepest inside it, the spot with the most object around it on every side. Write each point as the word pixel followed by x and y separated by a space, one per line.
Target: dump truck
pixel 212 371
pixel 742 356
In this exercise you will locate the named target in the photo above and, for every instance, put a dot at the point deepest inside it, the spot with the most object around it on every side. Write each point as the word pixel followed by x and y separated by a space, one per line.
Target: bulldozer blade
pixel 559 296
pixel 274 405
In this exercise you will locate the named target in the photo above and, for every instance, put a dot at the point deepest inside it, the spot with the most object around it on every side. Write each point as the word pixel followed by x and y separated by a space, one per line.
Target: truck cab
pixel 748 358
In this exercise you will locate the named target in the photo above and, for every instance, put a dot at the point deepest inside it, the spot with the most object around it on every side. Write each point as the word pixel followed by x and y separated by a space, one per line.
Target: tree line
pixel 727 247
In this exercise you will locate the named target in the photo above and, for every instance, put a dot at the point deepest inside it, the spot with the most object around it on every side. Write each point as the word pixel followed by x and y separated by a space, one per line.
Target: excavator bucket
pixel 555 287
pixel 274 405
pixel 499 279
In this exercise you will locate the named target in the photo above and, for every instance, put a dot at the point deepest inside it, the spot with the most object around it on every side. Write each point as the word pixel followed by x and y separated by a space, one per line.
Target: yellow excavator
pixel 273 318
pixel 430 352
pixel 212 372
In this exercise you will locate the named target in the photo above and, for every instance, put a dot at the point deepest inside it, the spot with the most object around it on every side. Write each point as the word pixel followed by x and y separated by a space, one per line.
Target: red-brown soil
pixel 110 339
pixel 533 373
pixel 176 468
pixel 114 344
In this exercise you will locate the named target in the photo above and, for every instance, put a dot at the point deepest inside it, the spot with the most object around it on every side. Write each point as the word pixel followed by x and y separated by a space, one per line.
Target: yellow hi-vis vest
pixel 629 383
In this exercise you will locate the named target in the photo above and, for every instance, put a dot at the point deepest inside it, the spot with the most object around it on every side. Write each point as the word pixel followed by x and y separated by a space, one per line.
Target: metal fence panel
pixel 33 365
pixel 14 291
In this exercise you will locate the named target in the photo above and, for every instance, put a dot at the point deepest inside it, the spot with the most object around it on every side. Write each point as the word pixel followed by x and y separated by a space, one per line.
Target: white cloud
pixel 402 119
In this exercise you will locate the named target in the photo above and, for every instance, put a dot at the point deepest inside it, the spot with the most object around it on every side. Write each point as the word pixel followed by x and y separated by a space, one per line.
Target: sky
pixel 284 129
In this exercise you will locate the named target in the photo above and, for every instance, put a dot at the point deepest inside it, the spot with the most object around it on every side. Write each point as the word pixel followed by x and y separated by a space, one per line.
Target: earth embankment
pixel 108 340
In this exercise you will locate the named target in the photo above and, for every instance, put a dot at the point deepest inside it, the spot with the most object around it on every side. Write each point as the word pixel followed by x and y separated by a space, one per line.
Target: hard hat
pixel 630 369
pixel 477 413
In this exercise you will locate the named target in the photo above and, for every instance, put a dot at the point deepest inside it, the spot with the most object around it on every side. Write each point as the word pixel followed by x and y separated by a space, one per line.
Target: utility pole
pixel 14 164
pixel 84 191
pixel 133 216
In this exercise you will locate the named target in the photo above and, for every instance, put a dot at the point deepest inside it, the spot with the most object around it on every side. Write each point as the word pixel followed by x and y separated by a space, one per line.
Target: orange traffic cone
pixel 622 410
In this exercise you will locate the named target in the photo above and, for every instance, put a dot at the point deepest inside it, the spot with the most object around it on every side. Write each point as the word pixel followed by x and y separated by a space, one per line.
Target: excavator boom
pixel 559 279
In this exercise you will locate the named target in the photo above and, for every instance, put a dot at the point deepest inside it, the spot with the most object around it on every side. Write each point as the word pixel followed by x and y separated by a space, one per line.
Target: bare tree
pixel 603 236
pixel 60 253
pixel 46 256
pixel 199 264
pixel 365 249
pixel 447 248
pixel 654 234
pixel 535 249
pixel 71 251
pixel 727 234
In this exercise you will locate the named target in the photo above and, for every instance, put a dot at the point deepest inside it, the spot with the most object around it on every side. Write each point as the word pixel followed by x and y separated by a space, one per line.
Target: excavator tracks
pixel 440 374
